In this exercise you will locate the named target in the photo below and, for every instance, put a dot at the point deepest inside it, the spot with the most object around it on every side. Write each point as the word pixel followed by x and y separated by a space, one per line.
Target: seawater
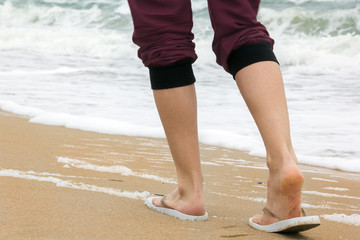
pixel 72 63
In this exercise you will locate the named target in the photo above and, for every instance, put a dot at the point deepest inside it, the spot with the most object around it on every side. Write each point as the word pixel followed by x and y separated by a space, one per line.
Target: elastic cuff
pixel 249 54
pixel 171 76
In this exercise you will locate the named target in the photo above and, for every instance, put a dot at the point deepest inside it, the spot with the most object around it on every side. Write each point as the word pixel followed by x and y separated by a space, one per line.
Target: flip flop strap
pixel 303 212
pixel 268 212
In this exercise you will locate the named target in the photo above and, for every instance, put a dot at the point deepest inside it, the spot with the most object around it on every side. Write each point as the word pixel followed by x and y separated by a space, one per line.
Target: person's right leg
pixel 262 88
pixel 244 48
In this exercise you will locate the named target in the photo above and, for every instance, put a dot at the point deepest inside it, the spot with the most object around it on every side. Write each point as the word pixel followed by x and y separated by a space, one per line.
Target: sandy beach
pixel 59 183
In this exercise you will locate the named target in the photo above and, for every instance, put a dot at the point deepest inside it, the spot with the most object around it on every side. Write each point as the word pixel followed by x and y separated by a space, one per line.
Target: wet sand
pixel 41 197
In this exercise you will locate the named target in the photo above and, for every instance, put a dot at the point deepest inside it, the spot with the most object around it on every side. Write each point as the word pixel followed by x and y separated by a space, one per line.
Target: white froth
pixel 30 175
pixel 70 184
pixel 210 163
pixel 336 189
pixel 253 199
pixel 154 177
pixel 353 219
pixel 324 180
pixel 329 195
pixel 81 164
pixel 125 171
pixel 323 206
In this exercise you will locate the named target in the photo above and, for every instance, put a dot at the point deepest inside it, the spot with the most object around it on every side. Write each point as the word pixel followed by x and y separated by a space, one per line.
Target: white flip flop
pixel 291 225
pixel 173 212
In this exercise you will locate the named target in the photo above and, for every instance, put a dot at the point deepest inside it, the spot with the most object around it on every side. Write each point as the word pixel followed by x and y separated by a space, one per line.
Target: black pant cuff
pixel 171 76
pixel 249 54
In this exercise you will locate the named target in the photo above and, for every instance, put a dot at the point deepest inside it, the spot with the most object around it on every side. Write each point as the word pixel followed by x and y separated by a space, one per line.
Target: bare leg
pixel 177 108
pixel 261 85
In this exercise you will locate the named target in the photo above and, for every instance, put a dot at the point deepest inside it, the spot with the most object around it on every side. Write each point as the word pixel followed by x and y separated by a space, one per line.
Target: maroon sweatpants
pixel 162 30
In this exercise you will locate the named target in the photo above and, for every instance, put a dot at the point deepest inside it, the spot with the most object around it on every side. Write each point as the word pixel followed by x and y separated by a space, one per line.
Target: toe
pixel 256 218
pixel 157 202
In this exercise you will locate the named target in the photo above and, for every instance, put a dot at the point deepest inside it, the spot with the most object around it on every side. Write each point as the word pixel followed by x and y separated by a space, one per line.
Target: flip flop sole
pixel 289 225
pixel 174 213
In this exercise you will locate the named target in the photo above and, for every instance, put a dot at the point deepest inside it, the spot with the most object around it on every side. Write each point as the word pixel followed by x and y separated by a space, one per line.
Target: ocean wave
pixel 68 41
pixel 315 1
pixel 319 55
pixel 309 55
pixel 94 15
pixel 303 22
pixel 316 55
pixel 310 19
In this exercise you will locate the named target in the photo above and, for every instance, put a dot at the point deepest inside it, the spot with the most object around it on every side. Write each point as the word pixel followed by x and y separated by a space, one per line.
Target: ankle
pixel 190 191
pixel 280 160
pixel 190 184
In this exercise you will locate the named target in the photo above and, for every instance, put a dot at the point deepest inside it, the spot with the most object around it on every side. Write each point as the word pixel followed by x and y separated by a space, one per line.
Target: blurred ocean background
pixel 72 63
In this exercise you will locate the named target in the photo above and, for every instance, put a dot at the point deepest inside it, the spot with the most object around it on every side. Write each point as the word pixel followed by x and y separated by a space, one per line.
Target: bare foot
pixel 283 194
pixel 192 205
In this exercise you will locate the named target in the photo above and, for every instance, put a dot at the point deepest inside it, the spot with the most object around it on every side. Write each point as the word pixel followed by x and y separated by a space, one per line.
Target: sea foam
pixel 71 184
pixel 125 171
pixel 109 126
pixel 353 219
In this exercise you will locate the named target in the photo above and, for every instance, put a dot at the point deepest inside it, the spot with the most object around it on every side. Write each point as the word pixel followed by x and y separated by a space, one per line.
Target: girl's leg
pixel 262 87
pixel 244 48
pixel 162 30
pixel 178 113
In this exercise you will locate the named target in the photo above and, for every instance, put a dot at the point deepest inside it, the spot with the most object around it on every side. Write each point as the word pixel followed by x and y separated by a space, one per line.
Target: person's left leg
pixel 178 113
pixel 163 33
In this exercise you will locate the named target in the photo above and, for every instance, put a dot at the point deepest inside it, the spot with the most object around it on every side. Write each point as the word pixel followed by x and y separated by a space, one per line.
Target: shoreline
pixel 252 145
pixel 61 183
